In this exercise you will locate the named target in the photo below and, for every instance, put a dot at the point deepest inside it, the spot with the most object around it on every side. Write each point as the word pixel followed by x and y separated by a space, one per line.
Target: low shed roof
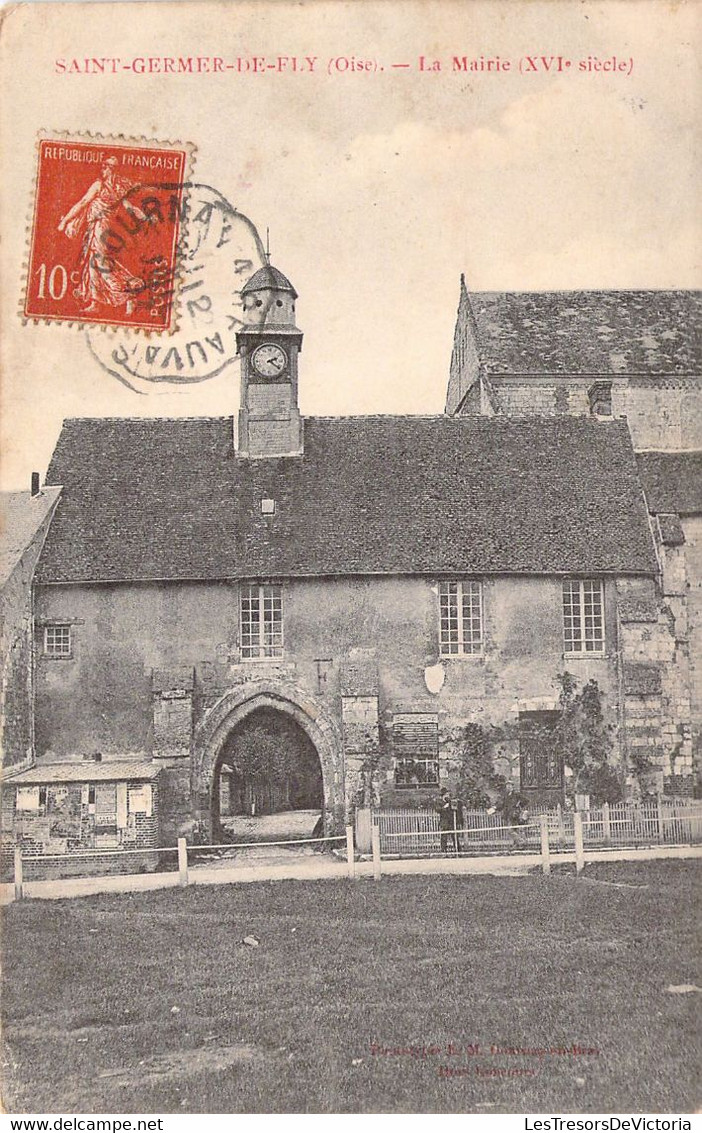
pixel 85 772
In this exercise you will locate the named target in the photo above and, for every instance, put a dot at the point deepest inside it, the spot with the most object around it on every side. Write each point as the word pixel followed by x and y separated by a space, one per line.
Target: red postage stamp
pixel 105 232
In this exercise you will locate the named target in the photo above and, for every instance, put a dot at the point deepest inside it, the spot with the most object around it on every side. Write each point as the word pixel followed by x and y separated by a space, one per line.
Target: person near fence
pixel 450 811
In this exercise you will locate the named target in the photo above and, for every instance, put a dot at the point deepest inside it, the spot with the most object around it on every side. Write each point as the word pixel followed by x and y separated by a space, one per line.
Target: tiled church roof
pixel 168 499
pixel 588 332
pixel 672 481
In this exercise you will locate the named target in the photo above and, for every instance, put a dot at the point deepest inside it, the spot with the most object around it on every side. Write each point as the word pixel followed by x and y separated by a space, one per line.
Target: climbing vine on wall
pixel 577 733
pixel 584 741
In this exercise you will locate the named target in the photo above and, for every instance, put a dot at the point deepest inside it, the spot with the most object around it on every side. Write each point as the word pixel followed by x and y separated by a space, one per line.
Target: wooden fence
pixel 410 832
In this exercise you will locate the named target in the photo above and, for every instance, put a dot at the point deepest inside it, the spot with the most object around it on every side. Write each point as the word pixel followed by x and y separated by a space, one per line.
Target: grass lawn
pixel 152 1003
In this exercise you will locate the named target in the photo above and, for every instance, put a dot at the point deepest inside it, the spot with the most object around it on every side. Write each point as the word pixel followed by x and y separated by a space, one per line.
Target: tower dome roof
pixel 268 278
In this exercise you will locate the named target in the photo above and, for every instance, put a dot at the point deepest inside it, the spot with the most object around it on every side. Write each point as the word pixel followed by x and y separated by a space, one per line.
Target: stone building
pixel 24 522
pixel 367 585
pixel 672 483
pixel 632 355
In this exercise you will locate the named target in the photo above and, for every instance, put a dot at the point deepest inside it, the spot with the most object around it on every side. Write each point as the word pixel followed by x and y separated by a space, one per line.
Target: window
pixel 583 616
pixel 261 621
pixel 461 628
pixel 415 741
pixel 57 641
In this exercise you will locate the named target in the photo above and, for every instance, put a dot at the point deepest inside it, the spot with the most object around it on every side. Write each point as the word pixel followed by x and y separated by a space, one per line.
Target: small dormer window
pixel 267 507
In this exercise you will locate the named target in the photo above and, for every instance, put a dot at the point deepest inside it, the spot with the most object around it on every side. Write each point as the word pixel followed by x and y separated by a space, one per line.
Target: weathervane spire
pixel 268 246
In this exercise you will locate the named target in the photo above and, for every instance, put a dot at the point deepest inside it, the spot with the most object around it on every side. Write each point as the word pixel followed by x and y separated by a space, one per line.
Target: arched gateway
pixel 228 714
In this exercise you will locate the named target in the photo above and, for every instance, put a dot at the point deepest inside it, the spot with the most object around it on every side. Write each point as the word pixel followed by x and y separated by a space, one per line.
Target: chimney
pixel 600 398
pixel 35 483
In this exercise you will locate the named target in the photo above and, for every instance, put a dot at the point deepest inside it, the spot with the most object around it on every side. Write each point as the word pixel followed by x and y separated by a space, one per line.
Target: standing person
pixel 457 810
pixel 103 279
pixel 446 819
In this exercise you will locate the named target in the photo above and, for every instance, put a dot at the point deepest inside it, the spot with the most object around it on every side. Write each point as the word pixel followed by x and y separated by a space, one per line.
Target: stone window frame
pixel 457 631
pixel 53 654
pixel 268 596
pixel 583 622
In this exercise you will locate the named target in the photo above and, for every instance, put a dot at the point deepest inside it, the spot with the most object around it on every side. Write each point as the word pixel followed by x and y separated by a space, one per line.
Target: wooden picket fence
pixel 410 832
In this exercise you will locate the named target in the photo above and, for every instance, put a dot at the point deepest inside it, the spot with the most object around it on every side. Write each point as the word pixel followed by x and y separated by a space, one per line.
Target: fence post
pixel 578 831
pixel 183 861
pixel 606 828
pixel 545 849
pixel 659 801
pixel 375 843
pixel 350 856
pixel 19 878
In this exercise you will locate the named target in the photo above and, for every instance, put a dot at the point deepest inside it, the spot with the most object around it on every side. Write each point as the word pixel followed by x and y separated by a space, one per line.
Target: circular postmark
pixel 219 251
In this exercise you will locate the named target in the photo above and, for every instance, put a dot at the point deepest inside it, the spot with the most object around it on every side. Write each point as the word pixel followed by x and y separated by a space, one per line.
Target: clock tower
pixel 269 345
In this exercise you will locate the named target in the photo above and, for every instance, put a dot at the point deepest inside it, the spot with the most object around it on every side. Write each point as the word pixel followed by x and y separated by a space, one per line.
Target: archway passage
pixel 267 780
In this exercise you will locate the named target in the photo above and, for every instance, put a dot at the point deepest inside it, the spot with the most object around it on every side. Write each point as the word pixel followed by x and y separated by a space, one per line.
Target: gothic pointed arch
pixel 233 707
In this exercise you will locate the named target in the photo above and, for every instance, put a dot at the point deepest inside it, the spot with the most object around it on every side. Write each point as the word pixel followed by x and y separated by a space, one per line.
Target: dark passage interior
pixel 268 766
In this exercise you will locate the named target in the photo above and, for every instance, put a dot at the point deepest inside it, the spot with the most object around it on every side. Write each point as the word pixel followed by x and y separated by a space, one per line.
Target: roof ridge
pixel 586 291
pixel 187 417
pixel 476 420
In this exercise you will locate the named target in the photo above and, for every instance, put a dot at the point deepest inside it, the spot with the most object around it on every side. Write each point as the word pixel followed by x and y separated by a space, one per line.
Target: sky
pixel 380 184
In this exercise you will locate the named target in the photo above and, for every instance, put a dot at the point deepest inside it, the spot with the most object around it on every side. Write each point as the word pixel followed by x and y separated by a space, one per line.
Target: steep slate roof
pixel 168 499
pixel 84 772
pixel 672 481
pixel 589 332
pixel 21 516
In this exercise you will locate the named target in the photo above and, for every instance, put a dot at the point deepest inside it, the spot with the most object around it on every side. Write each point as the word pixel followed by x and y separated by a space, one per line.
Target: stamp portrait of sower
pixel 105 236
pixel 103 279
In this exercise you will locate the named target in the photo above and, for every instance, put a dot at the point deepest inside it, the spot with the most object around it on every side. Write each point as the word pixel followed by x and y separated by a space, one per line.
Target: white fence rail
pixel 411 832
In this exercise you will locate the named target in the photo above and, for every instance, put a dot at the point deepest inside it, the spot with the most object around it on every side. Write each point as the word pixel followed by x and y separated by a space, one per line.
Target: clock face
pixel 269 360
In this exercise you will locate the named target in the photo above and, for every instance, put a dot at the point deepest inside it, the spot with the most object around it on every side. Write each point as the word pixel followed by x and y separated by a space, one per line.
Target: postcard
pixel 351 422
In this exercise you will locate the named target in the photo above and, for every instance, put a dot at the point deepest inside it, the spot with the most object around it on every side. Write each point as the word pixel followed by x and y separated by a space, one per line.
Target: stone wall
pixel 663 413
pixel 656 677
pixel 465 365
pixel 152 662
pixel 692 530
pixel 16 653
pixel 543 396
